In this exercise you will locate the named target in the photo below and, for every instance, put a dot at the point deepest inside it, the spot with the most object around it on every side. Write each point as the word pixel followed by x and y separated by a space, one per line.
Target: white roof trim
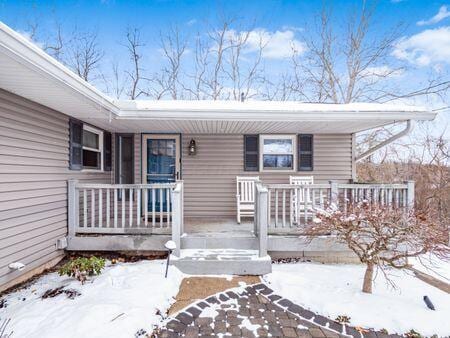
pixel 268 111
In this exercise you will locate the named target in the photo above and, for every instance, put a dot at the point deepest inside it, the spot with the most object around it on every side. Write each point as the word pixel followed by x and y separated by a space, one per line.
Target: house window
pixel 278 152
pixel 92 148
pixel 251 153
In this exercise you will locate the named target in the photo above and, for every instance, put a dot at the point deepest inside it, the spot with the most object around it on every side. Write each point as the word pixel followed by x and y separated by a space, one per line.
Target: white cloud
pixel 425 48
pixel 277 45
pixel 191 22
pixel 381 71
pixel 441 15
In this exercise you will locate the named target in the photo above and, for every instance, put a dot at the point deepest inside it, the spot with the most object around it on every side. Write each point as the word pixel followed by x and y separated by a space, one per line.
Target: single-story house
pixel 82 171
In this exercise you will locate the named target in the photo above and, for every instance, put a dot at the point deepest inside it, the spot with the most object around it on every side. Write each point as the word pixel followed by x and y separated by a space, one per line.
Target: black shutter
pixel 107 151
pixel 251 152
pixel 305 152
pixel 75 145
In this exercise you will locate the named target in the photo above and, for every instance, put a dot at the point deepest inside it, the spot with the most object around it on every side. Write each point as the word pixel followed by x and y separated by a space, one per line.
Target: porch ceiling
pixel 236 127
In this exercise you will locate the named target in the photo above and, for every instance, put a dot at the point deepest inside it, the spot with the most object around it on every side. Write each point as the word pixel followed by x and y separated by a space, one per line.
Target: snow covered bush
pixel 82 267
pixel 383 236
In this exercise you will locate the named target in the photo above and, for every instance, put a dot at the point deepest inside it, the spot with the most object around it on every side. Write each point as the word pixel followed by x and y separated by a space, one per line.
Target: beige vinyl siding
pixel 34 161
pixel 210 176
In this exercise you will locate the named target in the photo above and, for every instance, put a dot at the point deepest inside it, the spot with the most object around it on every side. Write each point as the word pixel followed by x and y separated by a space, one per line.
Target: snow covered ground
pixel 432 266
pixel 333 290
pixel 118 303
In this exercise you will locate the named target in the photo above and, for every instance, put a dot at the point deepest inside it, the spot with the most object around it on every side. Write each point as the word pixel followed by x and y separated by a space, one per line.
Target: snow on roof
pixel 263 106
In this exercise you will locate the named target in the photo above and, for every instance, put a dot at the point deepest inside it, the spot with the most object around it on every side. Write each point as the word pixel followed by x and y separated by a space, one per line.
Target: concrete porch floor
pixel 219 226
pixel 228 227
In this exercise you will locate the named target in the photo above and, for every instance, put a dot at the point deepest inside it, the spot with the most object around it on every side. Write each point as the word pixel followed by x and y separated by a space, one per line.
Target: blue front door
pixel 161 166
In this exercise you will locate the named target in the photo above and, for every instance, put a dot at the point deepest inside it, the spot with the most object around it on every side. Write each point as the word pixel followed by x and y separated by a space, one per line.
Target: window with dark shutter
pixel 75 145
pixel 305 152
pixel 251 152
pixel 107 155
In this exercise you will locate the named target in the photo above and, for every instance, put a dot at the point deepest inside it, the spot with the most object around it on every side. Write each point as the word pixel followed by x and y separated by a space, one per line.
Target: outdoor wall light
pixel 192 147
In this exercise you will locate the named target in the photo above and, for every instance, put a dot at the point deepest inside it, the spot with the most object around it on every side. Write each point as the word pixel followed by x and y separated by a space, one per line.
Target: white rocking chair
pixel 245 196
pixel 301 197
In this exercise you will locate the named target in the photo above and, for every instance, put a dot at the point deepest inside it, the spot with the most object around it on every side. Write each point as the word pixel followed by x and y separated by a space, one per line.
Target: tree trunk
pixel 367 285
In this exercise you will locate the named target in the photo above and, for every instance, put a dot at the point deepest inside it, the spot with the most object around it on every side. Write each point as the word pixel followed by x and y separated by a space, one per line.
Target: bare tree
pixel 383 237
pixel 134 47
pixel 424 158
pixel 224 67
pixel 167 80
pixel 85 55
pixel 345 66
pixel 114 83
pixel 55 46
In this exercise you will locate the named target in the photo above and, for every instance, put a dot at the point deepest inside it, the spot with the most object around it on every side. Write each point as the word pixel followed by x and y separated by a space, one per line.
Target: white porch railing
pixel 290 207
pixel 260 218
pixel 125 208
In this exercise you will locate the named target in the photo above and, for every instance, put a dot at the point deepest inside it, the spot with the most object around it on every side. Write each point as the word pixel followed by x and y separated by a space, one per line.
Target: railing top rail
pixel 372 185
pixel 297 186
pixel 178 186
pixel 125 186
pixel 260 187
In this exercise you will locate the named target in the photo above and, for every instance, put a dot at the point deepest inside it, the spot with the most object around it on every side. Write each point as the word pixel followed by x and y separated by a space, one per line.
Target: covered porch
pixel 176 165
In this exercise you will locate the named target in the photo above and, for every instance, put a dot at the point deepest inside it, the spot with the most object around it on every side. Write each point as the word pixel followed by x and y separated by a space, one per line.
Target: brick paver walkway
pixel 255 312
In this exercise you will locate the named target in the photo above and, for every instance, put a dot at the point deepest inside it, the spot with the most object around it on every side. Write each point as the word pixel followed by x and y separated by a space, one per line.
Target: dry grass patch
pixel 193 289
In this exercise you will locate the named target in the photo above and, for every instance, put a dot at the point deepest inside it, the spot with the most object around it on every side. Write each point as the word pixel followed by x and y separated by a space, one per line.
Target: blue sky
pixel 426 45
pixel 111 17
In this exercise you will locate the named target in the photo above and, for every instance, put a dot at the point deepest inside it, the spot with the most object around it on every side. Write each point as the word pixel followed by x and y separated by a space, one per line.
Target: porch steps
pixel 222 262
pixel 219 241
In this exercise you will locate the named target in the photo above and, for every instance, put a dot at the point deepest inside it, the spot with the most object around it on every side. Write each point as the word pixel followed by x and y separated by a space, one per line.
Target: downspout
pixel 370 151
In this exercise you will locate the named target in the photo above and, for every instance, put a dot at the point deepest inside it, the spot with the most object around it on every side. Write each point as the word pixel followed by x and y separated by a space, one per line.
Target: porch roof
pixel 28 71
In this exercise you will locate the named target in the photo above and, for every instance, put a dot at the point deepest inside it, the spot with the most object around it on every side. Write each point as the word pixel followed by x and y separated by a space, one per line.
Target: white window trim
pixel 99 150
pixel 276 137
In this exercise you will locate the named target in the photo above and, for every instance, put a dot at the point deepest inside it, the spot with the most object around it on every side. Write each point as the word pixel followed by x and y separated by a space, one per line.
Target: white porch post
pixel 261 218
pixel 177 217
pixel 73 206
pixel 410 194
pixel 334 192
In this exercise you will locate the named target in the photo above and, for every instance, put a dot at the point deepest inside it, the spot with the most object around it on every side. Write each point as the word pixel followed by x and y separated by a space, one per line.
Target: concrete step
pixel 219 241
pixel 222 262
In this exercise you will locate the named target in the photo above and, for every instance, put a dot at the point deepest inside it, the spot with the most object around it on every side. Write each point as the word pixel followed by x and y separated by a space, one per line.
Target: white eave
pixel 268 111
pixel 28 71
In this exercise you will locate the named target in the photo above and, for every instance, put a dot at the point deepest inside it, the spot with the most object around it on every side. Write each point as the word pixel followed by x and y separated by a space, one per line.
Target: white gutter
pixel 408 128
pixel 271 115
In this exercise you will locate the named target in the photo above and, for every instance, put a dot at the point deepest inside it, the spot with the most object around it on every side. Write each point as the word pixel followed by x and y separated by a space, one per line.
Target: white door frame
pixel 146 137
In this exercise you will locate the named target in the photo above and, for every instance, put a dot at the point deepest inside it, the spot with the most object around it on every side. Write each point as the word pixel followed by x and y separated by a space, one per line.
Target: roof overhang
pixel 28 71
pixel 263 116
